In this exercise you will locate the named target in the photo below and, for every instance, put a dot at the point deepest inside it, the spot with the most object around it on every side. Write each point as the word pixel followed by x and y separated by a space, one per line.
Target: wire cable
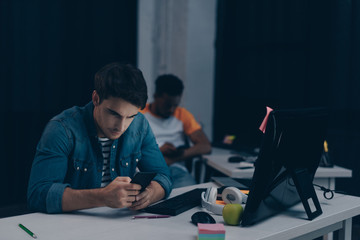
pixel 328 193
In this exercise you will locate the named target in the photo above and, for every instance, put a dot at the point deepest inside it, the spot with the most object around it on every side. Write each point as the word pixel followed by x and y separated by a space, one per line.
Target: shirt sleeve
pixel 188 120
pixel 46 187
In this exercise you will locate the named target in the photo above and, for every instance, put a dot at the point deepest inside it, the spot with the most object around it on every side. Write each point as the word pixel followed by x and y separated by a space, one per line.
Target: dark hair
pixel 169 84
pixel 122 81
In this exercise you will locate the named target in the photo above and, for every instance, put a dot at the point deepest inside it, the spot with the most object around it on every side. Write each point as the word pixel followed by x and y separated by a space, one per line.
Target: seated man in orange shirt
pixel 173 126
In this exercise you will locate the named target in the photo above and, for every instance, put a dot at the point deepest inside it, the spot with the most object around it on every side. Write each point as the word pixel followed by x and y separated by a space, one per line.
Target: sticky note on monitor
pixel 264 122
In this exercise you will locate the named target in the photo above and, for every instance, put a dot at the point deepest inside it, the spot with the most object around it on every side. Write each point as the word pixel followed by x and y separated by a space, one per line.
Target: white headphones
pixel 229 195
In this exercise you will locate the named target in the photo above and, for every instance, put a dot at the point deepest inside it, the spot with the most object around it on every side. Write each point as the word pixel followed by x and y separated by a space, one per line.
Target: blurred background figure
pixel 179 136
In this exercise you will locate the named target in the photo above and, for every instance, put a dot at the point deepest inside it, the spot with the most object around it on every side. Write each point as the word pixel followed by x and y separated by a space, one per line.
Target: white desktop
pixel 218 160
pixel 107 223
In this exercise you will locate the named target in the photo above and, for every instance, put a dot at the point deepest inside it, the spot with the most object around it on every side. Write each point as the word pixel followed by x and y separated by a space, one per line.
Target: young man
pixel 86 155
pixel 172 126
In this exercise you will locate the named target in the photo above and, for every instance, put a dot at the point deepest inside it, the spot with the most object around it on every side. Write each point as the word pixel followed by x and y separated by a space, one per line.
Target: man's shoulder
pixel 183 114
pixel 74 117
pixel 182 110
pixel 139 123
pixel 72 113
pixel 140 117
pixel 189 121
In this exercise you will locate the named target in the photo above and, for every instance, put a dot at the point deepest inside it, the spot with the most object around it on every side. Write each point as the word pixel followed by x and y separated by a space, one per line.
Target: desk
pixel 107 223
pixel 218 160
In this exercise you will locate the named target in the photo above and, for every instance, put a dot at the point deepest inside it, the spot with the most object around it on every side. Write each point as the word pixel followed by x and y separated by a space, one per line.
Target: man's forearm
pixel 197 150
pixel 81 199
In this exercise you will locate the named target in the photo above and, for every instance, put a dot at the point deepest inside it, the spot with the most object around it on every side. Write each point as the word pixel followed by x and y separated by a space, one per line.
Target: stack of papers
pixel 211 231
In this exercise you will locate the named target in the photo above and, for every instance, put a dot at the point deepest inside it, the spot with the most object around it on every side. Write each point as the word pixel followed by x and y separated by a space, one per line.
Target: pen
pixel 151 216
pixel 27 230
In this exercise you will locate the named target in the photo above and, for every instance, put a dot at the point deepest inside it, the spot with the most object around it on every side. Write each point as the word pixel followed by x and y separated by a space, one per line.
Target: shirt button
pixel 114 146
pixel 112 169
pixel 77 168
pixel 85 169
pixel 127 164
pixel 137 160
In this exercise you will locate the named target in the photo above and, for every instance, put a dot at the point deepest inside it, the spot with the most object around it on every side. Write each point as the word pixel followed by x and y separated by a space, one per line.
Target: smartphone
pixel 143 179
pixel 179 151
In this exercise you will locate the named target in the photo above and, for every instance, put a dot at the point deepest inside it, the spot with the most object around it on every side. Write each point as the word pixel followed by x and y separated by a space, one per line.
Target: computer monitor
pixel 242 127
pixel 289 156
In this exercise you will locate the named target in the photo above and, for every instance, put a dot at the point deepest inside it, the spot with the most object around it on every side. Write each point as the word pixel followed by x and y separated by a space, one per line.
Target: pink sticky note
pixel 208 228
pixel 264 122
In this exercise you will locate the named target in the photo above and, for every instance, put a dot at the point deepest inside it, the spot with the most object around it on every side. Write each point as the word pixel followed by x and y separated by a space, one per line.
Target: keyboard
pixel 178 204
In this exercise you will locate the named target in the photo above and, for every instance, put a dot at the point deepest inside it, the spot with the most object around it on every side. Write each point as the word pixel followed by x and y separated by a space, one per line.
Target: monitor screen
pixel 240 132
pixel 289 156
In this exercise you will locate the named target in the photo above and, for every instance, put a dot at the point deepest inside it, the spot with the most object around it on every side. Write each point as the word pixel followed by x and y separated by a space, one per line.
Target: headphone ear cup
pixel 208 200
pixel 211 195
pixel 233 195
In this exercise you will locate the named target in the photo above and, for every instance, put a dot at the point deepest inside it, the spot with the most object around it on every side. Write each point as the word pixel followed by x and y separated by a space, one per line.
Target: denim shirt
pixel 69 155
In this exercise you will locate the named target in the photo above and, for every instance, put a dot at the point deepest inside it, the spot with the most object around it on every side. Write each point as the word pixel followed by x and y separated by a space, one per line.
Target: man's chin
pixel 114 136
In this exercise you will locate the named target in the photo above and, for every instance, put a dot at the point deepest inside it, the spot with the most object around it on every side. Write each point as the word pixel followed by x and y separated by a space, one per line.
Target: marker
pixel 27 230
pixel 151 216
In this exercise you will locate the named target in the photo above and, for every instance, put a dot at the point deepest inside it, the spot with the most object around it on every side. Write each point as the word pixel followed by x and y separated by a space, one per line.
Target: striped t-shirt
pixel 106 146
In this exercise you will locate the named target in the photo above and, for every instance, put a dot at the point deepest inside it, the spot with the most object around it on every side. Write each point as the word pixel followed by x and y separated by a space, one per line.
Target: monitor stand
pixel 306 191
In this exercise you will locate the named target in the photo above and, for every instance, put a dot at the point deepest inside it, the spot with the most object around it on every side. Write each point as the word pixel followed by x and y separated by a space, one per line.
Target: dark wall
pixel 289 54
pixel 49 53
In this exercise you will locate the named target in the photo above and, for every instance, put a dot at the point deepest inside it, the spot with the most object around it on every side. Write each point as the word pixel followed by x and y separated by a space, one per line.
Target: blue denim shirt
pixel 69 155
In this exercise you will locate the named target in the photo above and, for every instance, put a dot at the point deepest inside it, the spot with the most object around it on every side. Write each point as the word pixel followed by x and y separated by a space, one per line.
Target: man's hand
pixel 170 152
pixel 120 193
pixel 168 149
pixel 201 146
pixel 153 193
